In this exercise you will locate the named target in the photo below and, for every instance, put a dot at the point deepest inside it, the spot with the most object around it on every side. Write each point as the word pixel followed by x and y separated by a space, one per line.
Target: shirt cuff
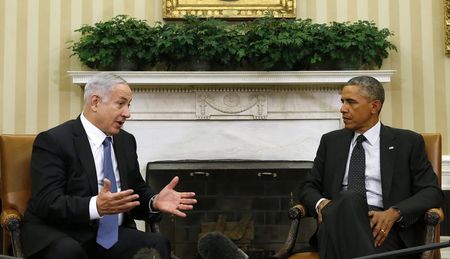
pixel 93 212
pixel 317 204
pixel 150 205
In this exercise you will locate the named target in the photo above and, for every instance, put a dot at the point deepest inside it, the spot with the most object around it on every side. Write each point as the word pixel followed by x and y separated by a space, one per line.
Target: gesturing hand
pixel 170 201
pixel 115 202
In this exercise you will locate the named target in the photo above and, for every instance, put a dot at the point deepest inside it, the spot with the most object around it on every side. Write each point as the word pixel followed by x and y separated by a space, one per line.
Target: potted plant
pixel 353 46
pixel 122 43
pixel 265 43
pixel 198 44
pixel 277 44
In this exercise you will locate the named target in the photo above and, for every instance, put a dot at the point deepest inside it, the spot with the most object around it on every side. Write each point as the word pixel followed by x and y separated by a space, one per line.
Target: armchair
pixel 15 151
pixel 15 157
pixel 432 218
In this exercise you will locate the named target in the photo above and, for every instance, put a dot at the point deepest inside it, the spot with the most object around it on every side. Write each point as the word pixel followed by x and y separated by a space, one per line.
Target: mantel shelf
pixel 241 78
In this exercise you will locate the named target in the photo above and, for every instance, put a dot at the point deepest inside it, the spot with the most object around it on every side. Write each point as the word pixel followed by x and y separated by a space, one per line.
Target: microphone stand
pixel 409 250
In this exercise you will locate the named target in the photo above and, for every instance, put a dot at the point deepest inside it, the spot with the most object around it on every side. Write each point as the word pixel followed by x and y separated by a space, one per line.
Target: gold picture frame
pixel 229 9
pixel 447 27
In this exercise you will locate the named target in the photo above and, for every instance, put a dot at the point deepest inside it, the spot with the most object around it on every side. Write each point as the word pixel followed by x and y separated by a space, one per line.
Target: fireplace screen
pixel 245 200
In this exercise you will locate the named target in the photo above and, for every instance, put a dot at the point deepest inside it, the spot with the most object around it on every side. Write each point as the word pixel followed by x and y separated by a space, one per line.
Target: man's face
pixel 358 112
pixel 113 110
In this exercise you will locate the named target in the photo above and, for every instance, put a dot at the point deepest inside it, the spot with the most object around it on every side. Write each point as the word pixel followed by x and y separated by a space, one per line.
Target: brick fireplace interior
pixel 247 200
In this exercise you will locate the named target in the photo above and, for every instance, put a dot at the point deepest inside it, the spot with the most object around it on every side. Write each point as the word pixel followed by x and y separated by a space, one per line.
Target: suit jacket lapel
pixel 83 149
pixel 388 153
pixel 341 154
pixel 121 161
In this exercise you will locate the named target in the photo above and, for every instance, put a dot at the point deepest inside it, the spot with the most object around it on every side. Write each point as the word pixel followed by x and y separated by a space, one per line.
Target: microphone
pixel 215 245
pixel 145 253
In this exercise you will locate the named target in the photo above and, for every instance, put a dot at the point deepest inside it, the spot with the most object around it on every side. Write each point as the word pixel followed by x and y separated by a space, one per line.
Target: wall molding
pixel 446 172
pixel 236 78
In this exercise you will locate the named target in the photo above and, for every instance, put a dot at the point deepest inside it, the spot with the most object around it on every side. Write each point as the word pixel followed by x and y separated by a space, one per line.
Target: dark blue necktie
pixel 108 228
pixel 357 168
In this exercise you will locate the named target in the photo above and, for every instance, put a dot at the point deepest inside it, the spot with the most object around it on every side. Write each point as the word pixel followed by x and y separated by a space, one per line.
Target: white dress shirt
pixel 96 138
pixel 373 170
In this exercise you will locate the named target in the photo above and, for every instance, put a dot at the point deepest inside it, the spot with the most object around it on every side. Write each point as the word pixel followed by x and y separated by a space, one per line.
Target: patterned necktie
pixel 108 228
pixel 357 168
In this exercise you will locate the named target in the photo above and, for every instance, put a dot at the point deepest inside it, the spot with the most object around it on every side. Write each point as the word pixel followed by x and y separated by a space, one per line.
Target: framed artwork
pixel 447 27
pixel 229 9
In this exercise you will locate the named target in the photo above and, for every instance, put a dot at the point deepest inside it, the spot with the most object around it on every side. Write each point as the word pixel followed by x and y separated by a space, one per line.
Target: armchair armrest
pixel 296 213
pixel 432 218
pixel 11 221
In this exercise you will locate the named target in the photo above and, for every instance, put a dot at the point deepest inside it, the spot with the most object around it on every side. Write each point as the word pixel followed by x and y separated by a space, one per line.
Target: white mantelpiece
pixel 236 95
pixel 248 78
pixel 233 115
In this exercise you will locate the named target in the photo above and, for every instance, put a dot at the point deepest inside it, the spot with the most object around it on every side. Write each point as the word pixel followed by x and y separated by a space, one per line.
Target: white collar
pixel 95 135
pixel 372 135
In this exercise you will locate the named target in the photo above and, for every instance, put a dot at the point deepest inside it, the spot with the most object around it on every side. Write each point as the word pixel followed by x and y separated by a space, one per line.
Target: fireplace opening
pixel 246 200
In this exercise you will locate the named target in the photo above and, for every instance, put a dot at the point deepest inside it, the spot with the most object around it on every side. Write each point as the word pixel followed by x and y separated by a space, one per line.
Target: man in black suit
pixel 71 196
pixel 398 183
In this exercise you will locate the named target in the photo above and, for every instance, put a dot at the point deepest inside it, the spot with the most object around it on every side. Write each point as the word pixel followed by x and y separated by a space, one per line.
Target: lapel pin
pixel 391 147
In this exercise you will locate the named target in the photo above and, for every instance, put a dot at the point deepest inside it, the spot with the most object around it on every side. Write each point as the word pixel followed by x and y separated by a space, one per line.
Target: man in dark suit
pixel 398 183
pixel 85 171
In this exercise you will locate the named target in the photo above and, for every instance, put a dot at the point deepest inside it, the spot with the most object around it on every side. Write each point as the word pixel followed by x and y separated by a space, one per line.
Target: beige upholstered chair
pixel 432 217
pixel 15 152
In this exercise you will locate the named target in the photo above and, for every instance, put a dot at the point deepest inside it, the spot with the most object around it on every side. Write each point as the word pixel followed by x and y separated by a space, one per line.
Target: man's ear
pixel 94 101
pixel 376 106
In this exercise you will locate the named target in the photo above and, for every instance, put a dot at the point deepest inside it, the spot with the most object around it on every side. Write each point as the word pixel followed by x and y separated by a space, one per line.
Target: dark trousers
pixel 132 244
pixel 345 231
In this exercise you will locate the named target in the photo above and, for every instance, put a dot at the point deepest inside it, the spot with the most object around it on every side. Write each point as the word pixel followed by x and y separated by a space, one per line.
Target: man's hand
pixel 381 223
pixel 115 202
pixel 321 205
pixel 170 201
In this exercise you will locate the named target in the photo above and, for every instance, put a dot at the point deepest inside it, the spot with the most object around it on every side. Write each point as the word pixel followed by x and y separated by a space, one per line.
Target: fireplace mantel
pixel 241 78
pixel 214 114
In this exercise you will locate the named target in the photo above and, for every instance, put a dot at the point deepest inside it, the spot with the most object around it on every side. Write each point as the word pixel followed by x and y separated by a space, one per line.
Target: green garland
pixel 126 43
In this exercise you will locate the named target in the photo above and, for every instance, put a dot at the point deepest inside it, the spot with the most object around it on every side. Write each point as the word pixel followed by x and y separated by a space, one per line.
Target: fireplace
pixel 212 128
pixel 247 200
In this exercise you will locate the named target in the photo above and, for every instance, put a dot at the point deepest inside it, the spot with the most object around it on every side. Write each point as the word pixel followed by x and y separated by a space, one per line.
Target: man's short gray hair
pixel 102 85
pixel 369 85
